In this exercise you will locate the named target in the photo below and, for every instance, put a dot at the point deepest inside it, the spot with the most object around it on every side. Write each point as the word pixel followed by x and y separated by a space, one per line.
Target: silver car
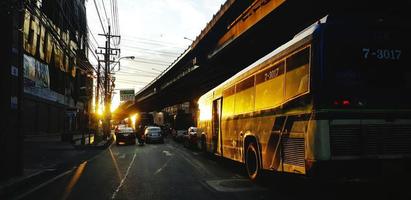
pixel 153 134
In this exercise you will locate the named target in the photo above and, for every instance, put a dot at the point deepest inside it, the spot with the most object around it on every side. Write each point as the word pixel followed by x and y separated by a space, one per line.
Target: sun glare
pixel 114 104
pixel 100 110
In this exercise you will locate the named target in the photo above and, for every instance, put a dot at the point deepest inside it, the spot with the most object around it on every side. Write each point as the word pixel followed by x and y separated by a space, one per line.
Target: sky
pixel 156 32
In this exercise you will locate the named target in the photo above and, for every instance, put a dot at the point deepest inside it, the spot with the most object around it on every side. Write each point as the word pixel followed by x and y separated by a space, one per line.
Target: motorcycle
pixel 140 139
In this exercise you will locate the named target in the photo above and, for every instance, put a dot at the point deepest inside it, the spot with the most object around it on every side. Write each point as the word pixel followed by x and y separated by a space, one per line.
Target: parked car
pixel 190 139
pixel 153 134
pixel 179 135
pixel 125 135
pixel 166 130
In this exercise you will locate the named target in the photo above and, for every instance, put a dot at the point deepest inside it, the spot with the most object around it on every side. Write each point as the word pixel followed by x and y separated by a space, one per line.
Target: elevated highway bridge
pixel 241 32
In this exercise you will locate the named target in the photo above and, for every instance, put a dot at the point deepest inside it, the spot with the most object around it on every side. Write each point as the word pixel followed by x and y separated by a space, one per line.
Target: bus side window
pixel 244 96
pixel 270 87
pixel 297 73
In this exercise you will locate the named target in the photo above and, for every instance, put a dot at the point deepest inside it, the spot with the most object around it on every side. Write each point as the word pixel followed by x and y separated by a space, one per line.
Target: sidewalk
pixel 46 156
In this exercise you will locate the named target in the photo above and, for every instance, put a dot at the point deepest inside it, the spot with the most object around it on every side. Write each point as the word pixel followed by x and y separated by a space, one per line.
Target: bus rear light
pixel 346 102
pixel 342 102
pixel 309 164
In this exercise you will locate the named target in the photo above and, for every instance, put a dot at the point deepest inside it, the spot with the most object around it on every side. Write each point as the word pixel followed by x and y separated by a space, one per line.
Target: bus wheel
pixel 252 162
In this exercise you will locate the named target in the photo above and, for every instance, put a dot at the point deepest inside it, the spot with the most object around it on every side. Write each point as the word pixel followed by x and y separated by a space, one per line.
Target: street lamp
pixel 118 62
pixel 113 78
pixel 189 39
pixel 108 88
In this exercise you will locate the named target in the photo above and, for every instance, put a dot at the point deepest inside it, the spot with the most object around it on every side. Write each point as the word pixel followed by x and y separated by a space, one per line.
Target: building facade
pixel 46 77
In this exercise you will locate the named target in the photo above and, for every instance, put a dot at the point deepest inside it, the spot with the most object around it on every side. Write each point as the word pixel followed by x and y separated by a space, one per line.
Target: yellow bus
pixel 335 98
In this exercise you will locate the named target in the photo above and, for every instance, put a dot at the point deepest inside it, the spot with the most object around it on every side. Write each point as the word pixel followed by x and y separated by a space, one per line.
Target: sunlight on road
pixel 115 164
pixel 74 179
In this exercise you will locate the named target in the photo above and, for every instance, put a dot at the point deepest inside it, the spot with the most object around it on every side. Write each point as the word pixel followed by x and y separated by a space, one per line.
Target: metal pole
pixel 97 100
pixel 108 51
pixel 107 85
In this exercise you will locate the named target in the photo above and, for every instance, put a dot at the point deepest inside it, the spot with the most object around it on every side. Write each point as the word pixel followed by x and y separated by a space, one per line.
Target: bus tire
pixel 252 162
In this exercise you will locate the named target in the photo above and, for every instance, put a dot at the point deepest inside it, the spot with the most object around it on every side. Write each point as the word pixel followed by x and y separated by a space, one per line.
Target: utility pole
pixel 97 100
pixel 108 52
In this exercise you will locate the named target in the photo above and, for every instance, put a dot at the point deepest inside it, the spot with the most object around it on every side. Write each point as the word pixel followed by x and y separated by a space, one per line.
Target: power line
pixel 150 40
pixel 105 11
pixel 115 22
pixel 152 60
pixel 135 72
pixel 99 17
pixel 134 81
pixel 147 62
pixel 151 43
pixel 92 35
pixel 151 50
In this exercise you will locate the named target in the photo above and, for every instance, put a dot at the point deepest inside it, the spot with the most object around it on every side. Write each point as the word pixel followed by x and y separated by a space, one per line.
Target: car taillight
pixel 349 103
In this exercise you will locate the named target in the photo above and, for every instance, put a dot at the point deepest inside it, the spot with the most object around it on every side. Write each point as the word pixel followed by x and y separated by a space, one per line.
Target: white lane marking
pixel 167 153
pixel 233 185
pixel 44 184
pixel 56 177
pixel 122 156
pixel 124 178
pixel 162 167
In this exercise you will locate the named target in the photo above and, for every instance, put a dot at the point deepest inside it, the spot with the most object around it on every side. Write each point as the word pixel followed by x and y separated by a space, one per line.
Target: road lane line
pixel 124 178
pixel 44 184
pixel 56 177
pixel 167 153
pixel 162 167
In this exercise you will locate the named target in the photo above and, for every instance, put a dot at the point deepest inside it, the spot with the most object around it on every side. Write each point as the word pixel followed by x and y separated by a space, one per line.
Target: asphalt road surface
pixel 170 171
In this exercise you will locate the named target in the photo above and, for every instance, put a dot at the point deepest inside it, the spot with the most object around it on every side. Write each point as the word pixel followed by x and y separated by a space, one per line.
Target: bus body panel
pixel 264 123
pixel 314 130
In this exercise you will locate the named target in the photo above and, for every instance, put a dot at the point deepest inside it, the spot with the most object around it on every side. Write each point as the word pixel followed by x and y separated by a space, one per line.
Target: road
pixel 170 171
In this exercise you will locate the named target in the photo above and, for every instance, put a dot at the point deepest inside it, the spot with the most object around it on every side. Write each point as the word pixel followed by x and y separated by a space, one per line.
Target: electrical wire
pixel 131 37
pixel 98 13
pixel 115 21
pixel 105 11
pixel 151 50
